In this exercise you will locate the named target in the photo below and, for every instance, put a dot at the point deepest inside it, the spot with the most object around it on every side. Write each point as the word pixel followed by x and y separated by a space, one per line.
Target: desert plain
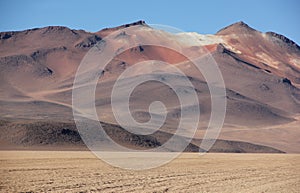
pixel 82 171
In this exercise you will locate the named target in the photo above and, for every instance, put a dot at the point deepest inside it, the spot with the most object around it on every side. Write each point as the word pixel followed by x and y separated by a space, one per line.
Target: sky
pixel 205 17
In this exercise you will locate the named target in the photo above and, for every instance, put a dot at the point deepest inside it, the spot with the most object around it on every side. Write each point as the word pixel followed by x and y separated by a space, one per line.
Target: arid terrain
pixel 77 171
pixel 41 149
pixel 261 71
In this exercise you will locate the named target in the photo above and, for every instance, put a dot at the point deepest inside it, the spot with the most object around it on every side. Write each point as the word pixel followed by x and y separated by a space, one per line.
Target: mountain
pixel 261 73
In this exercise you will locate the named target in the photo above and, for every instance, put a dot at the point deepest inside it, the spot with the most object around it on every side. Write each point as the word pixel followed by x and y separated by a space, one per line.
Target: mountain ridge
pixel 262 79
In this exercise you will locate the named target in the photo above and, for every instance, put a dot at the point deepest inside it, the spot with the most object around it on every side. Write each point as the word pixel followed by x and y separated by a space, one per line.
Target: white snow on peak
pixel 195 39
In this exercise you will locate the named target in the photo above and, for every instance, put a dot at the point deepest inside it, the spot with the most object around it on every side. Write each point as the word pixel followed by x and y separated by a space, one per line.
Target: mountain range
pixel 261 73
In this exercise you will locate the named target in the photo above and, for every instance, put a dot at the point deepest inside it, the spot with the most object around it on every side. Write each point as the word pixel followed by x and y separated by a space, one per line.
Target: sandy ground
pixel 74 171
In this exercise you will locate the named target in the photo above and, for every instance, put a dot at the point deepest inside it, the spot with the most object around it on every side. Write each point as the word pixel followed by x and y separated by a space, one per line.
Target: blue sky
pixel 281 16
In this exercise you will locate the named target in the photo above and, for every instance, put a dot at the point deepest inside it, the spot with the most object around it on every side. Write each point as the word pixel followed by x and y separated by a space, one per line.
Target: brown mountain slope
pixel 64 136
pixel 261 73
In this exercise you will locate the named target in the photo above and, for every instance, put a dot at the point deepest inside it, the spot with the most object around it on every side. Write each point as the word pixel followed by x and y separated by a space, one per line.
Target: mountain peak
pixel 104 32
pixel 140 22
pixel 235 27
pixel 44 30
pixel 284 39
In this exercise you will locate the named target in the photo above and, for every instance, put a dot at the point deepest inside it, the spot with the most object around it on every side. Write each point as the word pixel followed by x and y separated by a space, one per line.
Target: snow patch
pixel 195 39
pixel 295 61
pixel 232 49
pixel 267 59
